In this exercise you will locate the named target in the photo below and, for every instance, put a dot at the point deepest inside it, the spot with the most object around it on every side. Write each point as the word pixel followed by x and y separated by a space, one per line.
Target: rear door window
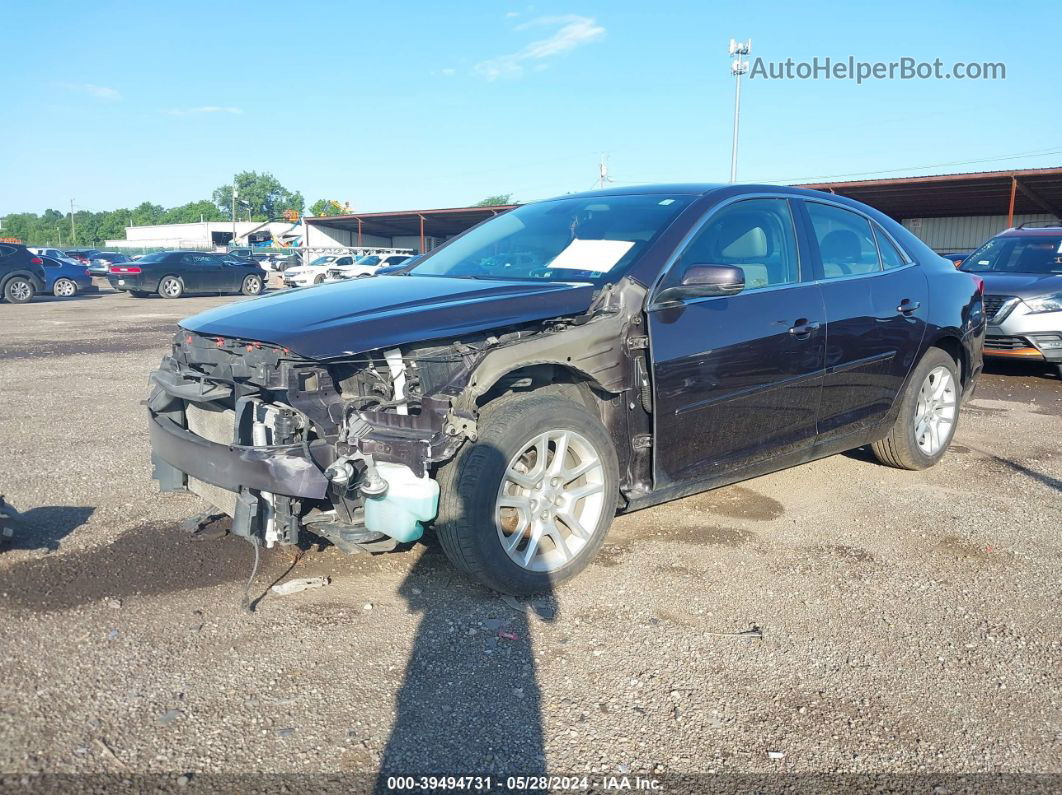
pixel 846 242
pixel 891 257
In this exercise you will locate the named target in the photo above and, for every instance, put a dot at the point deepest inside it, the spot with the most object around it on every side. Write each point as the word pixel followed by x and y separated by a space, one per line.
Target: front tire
pixel 64 288
pixel 252 285
pixel 19 290
pixel 928 415
pixel 319 279
pixel 171 287
pixel 529 503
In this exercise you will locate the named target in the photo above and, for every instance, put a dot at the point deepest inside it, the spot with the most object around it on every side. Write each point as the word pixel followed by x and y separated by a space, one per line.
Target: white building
pixel 207 235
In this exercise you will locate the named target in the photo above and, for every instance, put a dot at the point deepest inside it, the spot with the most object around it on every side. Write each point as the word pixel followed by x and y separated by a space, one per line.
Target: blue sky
pixel 424 104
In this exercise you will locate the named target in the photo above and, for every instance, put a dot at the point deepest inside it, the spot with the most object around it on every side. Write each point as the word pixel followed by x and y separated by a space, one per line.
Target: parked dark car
pixel 1022 270
pixel 173 274
pixel 82 255
pixel 65 279
pixel 21 273
pixel 572 358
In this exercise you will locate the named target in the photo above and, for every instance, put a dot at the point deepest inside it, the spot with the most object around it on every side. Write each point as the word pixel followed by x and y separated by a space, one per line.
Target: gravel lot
pixel 910 622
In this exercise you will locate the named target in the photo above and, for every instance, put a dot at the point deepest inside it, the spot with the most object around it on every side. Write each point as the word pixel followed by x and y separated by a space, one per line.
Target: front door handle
pixel 907 306
pixel 803 328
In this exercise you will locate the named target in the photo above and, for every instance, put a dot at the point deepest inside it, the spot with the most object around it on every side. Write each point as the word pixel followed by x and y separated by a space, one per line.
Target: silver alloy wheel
pixel 20 291
pixel 550 500
pixel 171 288
pixel 935 411
pixel 64 288
pixel 252 285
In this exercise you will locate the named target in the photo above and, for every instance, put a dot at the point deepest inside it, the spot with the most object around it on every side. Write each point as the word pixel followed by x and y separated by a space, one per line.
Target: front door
pixel 737 378
pixel 877 300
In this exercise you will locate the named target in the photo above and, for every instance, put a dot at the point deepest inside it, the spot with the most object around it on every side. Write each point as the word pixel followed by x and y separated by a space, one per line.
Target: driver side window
pixel 755 235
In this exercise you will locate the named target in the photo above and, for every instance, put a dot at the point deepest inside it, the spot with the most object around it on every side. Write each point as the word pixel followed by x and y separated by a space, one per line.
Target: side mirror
pixel 701 281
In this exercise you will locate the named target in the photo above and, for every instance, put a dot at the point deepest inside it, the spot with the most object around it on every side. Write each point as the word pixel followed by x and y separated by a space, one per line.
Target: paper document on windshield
pixel 592 255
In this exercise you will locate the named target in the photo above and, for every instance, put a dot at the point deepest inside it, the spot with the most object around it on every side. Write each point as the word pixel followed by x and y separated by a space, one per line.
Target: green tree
pixel 193 213
pixel 495 201
pixel 261 193
pixel 326 207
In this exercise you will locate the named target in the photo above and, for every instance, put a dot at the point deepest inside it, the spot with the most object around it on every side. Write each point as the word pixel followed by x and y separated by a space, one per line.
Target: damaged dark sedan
pixel 564 362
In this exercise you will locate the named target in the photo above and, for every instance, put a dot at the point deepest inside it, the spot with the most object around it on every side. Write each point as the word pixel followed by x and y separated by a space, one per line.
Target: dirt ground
pixel 904 622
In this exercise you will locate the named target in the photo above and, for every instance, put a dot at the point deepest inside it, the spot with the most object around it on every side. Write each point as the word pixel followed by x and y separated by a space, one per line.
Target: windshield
pixel 579 239
pixel 367 260
pixel 1040 254
pixel 322 260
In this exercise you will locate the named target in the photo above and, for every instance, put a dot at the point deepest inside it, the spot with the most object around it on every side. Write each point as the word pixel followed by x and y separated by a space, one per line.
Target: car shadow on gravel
pixel 469 703
pixel 44 528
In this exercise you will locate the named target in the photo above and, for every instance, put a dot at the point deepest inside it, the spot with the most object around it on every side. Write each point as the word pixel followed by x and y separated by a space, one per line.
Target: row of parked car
pixel 340 267
pixel 27 272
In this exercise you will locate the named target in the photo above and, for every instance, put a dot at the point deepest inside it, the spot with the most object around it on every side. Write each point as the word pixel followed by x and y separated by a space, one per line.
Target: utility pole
pixel 738 67
pixel 73 236
pixel 233 243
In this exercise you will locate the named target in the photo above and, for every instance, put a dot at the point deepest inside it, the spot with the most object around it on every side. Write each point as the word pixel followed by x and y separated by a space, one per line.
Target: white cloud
pixel 448 72
pixel 100 92
pixel 512 14
pixel 202 109
pixel 571 32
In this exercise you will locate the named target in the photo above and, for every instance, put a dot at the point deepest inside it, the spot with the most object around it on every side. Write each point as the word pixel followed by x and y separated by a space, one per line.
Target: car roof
pixel 708 188
pixel 1034 231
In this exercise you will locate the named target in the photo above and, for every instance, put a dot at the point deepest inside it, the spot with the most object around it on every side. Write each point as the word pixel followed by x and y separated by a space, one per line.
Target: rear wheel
pixel 64 288
pixel 19 290
pixel 252 285
pixel 171 287
pixel 929 413
pixel 529 503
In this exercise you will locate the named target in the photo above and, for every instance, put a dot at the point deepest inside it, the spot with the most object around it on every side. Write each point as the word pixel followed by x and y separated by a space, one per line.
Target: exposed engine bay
pixel 347 447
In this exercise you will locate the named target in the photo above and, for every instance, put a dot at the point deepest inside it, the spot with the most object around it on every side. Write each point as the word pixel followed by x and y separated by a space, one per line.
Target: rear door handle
pixel 907 306
pixel 802 328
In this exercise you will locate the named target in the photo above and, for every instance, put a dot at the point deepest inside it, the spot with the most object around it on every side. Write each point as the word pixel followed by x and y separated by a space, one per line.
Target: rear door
pixel 737 378
pixel 877 300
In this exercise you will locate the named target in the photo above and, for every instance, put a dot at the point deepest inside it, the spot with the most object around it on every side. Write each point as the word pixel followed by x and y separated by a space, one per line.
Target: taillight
pixel 124 269
pixel 36 260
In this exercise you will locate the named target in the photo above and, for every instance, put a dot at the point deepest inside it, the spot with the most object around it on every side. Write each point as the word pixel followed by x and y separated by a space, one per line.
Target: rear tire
pixel 64 288
pixel 171 287
pixel 928 415
pixel 476 524
pixel 252 285
pixel 19 290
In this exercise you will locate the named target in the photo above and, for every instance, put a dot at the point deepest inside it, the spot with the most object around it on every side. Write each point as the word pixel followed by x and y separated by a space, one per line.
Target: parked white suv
pixel 363 266
pixel 317 271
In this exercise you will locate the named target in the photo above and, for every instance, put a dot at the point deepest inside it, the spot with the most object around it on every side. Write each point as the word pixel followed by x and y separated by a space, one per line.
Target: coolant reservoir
pixel 409 500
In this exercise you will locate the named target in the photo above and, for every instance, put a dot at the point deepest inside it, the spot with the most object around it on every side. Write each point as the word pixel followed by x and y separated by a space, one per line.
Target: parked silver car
pixel 1022 270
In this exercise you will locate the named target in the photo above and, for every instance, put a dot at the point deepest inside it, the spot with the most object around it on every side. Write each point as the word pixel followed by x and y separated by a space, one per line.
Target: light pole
pixel 233 243
pixel 738 67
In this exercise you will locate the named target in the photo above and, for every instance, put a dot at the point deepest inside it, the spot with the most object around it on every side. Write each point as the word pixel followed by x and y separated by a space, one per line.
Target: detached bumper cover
pixel 284 471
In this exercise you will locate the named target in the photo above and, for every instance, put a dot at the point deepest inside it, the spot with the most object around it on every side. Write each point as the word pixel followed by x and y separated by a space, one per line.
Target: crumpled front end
pixel 346 448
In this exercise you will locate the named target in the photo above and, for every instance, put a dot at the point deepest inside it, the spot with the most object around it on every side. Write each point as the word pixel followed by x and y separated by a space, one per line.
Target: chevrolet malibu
pixel 564 362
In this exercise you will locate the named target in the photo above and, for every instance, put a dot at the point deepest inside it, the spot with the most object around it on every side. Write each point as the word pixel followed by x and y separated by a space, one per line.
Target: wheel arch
pixel 558 377
pixel 952 345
